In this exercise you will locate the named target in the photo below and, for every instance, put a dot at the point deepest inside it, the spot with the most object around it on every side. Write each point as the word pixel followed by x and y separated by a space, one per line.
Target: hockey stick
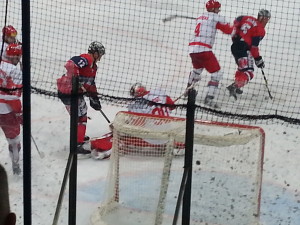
pixel 104 116
pixel 266 84
pixel 41 154
pixel 169 18
pixel 186 90
pixel 99 109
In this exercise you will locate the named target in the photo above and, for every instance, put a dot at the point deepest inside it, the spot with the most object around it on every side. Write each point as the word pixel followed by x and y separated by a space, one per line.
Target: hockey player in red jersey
pixel 84 66
pixel 10 103
pixel 200 49
pixel 246 36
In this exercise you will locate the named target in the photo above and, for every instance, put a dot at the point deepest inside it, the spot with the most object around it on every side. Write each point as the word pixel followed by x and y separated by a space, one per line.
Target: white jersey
pixel 143 104
pixel 205 32
pixel 10 79
pixel 4 49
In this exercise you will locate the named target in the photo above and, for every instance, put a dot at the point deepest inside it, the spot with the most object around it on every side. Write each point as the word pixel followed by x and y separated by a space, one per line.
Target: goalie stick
pixel 169 18
pixel 183 94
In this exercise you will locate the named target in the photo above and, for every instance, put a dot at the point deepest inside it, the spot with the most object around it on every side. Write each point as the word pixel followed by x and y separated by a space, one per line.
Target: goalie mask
pixel 138 90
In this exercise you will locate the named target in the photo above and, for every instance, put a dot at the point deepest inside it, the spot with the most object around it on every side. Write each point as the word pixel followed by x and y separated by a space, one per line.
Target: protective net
pixel 147 42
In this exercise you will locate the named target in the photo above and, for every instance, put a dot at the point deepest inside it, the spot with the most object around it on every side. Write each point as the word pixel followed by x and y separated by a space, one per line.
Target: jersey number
pixel 197 30
pixel 245 27
pixel 160 111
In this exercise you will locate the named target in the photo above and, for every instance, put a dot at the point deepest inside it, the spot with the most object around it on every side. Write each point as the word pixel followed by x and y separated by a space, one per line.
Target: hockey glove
pixel 95 103
pixel 259 62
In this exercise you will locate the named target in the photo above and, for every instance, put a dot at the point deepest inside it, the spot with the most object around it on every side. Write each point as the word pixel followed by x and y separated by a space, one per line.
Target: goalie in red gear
pixel 10 102
pixel 85 67
pixel 246 36
pixel 149 101
pixel 144 101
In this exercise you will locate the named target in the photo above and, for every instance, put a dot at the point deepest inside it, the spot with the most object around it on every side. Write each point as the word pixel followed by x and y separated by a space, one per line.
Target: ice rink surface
pixel 151 60
pixel 50 127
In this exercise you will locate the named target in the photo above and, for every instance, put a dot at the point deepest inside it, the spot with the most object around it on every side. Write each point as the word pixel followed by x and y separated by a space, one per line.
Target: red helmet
pixel 14 50
pixel 9 31
pixel 212 4
pixel 137 90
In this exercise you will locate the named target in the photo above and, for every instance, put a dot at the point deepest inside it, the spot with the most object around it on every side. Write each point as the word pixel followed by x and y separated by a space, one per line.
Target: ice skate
pixel 209 101
pixel 232 91
pixel 16 168
pixel 14 150
pixel 239 91
pixel 83 153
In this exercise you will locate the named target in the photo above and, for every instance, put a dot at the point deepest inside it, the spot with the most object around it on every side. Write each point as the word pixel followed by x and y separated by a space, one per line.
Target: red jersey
pixel 82 66
pixel 249 30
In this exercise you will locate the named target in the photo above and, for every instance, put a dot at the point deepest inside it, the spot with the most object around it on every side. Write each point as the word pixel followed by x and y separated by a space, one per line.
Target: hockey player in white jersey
pixel 200 49
pixel 10 103
pixel 9 36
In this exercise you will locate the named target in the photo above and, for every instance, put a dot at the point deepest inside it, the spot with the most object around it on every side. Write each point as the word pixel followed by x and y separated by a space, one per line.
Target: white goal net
pixel 147 163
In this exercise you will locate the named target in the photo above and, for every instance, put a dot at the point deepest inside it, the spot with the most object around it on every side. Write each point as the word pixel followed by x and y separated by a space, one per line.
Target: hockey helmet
pixel 14 50
pixel 138 90
pixel 9 31
pixel 264 13
pixel 96 46
pixel 212 4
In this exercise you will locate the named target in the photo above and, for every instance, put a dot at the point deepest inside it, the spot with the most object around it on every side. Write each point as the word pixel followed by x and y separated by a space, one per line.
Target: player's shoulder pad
pixel 88 57
pixel 80 61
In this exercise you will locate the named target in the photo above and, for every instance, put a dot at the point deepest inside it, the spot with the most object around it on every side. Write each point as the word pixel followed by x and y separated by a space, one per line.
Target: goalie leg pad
pixel 100 154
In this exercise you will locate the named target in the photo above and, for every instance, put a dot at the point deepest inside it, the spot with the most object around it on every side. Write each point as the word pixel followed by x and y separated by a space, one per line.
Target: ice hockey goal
pixel 145 172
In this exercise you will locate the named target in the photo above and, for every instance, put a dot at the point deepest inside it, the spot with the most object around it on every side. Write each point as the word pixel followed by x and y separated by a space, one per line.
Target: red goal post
pixel 144 174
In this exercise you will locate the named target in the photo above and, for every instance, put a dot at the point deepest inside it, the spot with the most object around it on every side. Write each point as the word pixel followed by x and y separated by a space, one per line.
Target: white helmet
pixel 137 90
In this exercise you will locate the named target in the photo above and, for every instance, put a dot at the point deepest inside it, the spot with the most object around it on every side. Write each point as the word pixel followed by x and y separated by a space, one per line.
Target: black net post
pixel 188 160
pixel 73 151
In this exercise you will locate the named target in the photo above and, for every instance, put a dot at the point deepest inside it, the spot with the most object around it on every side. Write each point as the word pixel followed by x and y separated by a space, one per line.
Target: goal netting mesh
pixel 146 168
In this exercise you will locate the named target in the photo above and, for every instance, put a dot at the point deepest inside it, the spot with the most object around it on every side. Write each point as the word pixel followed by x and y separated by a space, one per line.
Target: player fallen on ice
pixel 143 102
